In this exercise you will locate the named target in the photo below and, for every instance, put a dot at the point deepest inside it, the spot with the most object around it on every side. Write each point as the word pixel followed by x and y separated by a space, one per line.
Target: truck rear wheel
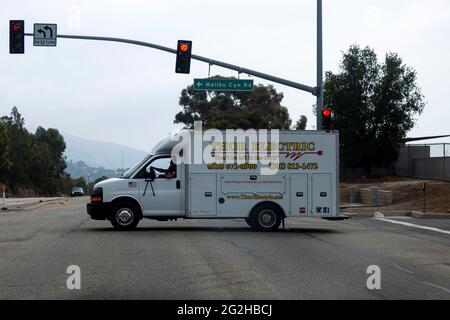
pixel 125 216
pixel 266 217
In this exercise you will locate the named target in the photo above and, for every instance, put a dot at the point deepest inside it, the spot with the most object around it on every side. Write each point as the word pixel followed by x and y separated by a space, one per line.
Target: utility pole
pixel 88 187
pixel 319 88
pixel 3 188
pixel 122 164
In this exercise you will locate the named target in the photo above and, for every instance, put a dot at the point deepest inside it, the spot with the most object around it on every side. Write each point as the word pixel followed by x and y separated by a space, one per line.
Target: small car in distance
pixel 77 192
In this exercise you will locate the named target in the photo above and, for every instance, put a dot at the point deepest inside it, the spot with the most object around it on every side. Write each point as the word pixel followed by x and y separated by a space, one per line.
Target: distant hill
pixel 81 169
pixel 98 154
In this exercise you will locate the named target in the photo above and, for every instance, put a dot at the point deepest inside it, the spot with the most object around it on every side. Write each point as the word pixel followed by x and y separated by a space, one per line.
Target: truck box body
pixel 305 185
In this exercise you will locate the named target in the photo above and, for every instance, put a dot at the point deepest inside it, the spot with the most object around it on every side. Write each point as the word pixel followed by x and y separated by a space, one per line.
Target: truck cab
pixel 146 190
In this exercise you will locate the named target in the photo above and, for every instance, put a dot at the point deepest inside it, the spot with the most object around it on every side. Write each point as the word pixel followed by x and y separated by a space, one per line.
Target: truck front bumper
pixel 98 211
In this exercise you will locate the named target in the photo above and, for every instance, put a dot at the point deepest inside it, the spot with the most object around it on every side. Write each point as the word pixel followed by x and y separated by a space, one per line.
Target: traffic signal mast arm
pixel 261 75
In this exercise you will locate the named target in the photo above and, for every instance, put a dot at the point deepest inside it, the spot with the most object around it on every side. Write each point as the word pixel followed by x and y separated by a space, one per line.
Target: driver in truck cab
pixel 168 173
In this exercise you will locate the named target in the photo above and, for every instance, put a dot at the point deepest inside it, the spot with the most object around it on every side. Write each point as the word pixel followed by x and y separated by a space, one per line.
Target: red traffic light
pixel 184 47
pixel 16 37
pixel 326 113
pixel 16 27
pixel 183 63
pixel 327 123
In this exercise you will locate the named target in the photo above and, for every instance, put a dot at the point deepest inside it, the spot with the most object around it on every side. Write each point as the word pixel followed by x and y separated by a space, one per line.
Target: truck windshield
pixel 129 173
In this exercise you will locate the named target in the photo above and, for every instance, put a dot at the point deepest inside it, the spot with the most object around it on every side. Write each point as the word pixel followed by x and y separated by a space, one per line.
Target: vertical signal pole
pixel 3 188
pixel 319 107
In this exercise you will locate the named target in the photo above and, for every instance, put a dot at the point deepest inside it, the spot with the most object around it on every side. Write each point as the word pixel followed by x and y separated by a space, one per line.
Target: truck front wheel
pixel 125 216
pixel 266 217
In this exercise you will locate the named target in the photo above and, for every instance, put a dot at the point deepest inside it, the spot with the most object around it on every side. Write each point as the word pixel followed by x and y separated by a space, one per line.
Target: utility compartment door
pixel 322 197
pixel 203 195
pixel 299 195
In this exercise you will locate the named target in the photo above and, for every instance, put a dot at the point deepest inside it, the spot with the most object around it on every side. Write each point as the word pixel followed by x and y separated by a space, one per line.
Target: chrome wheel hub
pixel 124 217
pixel 267 218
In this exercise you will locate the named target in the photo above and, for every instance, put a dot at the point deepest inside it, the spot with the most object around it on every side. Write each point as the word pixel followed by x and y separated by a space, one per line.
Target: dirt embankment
pixel 407 194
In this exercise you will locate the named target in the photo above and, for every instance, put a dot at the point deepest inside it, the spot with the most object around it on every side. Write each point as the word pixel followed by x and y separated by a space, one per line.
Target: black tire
pixel 266 218
pixel 125 216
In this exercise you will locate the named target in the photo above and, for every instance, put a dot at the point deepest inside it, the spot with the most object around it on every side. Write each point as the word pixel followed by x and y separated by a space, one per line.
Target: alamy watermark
pixel 374 280
pixel 230 147
pixel 73 14
pixel 73 282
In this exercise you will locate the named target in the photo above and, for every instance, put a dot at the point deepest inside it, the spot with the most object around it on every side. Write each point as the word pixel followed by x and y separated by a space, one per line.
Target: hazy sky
pixel 129 94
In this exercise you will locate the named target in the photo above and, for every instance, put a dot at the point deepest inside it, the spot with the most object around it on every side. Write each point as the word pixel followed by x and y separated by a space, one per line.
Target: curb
pixel 430 216
pixel 359 215
pixel 394 213
pixel 413 214
pixel 31 205
pixel 354 206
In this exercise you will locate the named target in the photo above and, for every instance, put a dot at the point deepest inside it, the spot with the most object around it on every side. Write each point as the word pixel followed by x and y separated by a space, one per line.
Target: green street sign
pixel 223 85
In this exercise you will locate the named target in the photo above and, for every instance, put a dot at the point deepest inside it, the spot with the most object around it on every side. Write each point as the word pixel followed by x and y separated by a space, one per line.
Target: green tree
pixel 47 160
pixel 301 123
pixel 57 146
pixel 40 167
pixel 33 163
pixel 19 173
pixel 64 184
pixel 79 182
pixel 374 105
pixel 234 110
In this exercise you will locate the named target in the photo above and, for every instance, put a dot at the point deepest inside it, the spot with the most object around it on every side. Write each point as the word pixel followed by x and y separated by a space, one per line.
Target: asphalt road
pixel 312 259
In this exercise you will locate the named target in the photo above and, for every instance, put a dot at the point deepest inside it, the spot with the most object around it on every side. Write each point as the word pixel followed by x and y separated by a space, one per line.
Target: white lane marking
pixel 414 225
pixel 436 286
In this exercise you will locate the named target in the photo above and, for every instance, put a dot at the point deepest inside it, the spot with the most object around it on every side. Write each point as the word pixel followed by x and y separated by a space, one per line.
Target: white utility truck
pixel 304 183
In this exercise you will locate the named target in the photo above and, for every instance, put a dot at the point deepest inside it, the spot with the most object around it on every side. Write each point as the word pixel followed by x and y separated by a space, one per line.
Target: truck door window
pixel 165 168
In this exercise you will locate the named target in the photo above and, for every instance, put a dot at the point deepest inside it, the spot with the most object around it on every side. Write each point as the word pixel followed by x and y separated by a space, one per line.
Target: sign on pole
pixel 44 35
pixel 223 85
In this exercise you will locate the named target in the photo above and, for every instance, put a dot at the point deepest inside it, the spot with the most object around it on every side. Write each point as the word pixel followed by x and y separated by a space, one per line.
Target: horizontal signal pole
pixel 261 75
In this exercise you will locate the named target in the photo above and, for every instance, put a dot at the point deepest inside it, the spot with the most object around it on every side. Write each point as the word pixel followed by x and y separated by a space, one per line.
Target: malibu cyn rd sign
pixel 223 85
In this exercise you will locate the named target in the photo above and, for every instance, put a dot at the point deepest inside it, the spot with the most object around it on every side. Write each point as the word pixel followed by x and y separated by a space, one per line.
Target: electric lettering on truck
pixel 290 174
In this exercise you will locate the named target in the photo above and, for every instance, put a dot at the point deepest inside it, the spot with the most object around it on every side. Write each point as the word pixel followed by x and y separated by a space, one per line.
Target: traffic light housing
pixel 184 50
pixel 16 36
pixel 327 119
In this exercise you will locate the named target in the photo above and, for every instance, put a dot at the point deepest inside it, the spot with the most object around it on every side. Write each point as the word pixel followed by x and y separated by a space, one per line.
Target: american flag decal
pixel 132 184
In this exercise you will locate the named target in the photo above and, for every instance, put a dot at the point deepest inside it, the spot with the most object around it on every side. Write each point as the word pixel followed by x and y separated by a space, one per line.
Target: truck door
pixel 167 187
pixel 299 195
pixel 322 196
